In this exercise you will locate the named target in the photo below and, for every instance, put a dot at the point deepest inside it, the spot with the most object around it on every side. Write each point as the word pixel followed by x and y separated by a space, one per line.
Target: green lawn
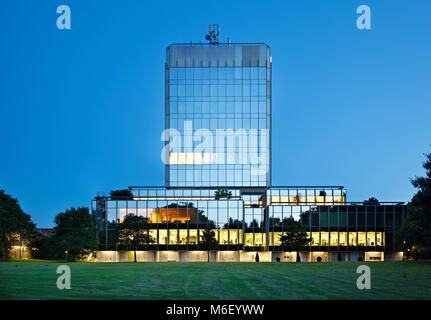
pixel 389 280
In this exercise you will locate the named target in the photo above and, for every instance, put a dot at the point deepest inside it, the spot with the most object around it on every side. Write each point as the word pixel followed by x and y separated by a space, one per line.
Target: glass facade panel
pixel 220 111
pixel 175 217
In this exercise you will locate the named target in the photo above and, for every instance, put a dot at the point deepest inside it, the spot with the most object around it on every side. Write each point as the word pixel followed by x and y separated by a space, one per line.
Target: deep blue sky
pixel 82 110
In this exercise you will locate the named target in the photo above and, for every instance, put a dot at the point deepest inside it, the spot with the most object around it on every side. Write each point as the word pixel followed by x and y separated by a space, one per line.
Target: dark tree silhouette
pixel 124 194
pixel 14 223
pixel 416 228
pixel 208 241
pixel 295 237
pixel 75 233
pixel 222 193
pixel 134 232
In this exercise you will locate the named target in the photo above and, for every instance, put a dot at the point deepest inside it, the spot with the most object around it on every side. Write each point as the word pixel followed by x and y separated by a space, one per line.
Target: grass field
pixel 389 280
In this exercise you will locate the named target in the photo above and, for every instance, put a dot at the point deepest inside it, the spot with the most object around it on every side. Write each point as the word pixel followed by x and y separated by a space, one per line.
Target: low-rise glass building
pixel 254 221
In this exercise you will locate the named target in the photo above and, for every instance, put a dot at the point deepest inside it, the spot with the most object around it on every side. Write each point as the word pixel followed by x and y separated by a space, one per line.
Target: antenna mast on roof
pixel 213 33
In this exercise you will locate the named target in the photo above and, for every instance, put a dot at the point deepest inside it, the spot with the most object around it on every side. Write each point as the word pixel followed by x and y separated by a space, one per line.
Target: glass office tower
pixel 218 107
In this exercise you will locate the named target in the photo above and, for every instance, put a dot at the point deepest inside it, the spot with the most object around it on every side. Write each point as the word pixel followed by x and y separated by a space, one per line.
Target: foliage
pixel 208 241
pixel 75 233
pixel 253 224
pixel 121 194
pixel 134 232
pixel 371 201
pixel 222 193
pixel 14 223
pixel 416 229
pixel 42 247
pixel 295 237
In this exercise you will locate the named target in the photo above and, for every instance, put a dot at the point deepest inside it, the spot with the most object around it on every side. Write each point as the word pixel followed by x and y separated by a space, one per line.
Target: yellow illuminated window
pixel 233 236
pixel 183 236
pixel 190 158
pixel 275 199
pixel 249 239
pixel 223 237
pixel 324 238
pixel 320 199
pixel 259 239
pixel 352 239
pixel 193 236
pixel 380 239
pixel 153 234
pixel 163 236
pixel 334 238
pixel 311 199
pixel 361 238
pixel 371 238
pixel 315 238
pixel 173 237
pixel 342 238
pixel 276 241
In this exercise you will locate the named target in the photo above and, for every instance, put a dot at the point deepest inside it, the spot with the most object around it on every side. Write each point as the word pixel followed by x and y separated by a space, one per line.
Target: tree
pixel 222 193
pixel 254 224
pixel 75 233
pixel 42 247
pixel 14 223
pixel 406 237
pixel 208 241
pixel 134 232
pixel 124 194
pixel 371 201
pixel 416 228
pixel 295 237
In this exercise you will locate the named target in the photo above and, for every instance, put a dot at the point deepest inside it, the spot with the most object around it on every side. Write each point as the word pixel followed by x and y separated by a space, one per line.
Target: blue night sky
pixel 82 110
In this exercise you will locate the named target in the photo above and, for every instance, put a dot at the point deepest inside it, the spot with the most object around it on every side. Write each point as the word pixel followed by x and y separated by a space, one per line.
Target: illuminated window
pixel 173 234
pixel 259 239
pixel 153 234
pixel 249 239
pixel 277 236
pixel 163 236
pixel 352 239
pixel 371 238
pixel 193 236
pixel 342 239
pixel 324 238
pixel 361 238
pixel 315 236
pixel 334 238
pixel 380 238
pixel 223 237
pixel 183 236
pixel 233 237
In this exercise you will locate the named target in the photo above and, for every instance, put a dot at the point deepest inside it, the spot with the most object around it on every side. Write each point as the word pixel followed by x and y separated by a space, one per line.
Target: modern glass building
pixel 220 94
pixel 218 135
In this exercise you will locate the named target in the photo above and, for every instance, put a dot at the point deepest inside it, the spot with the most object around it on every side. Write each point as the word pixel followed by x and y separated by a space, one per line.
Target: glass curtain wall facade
pixel 222 92
pixel 253 222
